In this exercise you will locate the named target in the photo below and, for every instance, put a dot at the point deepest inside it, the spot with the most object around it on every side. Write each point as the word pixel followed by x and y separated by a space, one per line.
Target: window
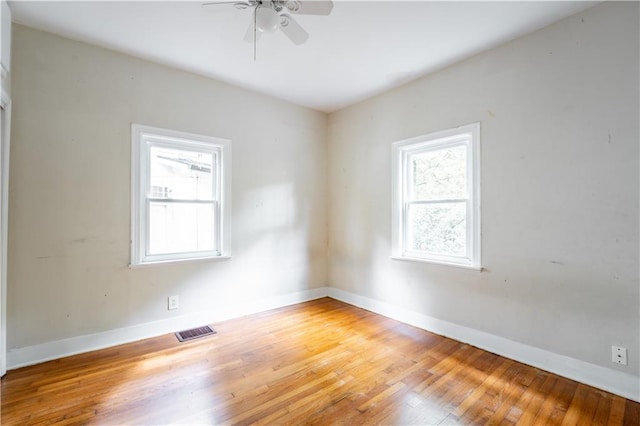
pixel 436 197
pixel 180 196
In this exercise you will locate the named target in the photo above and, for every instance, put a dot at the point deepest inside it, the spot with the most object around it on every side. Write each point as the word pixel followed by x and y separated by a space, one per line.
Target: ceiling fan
pixel 269 15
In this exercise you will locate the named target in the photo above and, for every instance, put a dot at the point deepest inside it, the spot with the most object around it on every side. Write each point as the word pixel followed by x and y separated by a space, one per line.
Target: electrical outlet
pixel 174 302
pixel 619 355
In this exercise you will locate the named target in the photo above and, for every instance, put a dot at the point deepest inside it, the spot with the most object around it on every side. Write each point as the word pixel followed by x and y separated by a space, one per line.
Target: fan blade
pixel 293 30
pixel 308 7
pixel 212 3
pixel 239 4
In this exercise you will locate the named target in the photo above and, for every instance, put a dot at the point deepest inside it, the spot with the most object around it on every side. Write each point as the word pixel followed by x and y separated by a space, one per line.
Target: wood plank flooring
pixel 321 362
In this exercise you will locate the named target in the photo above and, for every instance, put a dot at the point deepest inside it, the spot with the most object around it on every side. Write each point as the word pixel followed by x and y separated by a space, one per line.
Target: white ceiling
pixel 361 49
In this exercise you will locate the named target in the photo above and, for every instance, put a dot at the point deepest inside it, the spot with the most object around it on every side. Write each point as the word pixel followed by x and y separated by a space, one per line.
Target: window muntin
pixel 181 194
pixel 436 215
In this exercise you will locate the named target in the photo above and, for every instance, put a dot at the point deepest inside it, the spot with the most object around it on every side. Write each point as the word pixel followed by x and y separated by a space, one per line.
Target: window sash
pixel 183 145
pixel 215 229
pixel 408 181
pixel 408 251
pixel 408 191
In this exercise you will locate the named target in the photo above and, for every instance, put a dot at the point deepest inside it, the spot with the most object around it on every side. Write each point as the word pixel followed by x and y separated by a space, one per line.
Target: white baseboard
pixel 36 354
pixel 616 382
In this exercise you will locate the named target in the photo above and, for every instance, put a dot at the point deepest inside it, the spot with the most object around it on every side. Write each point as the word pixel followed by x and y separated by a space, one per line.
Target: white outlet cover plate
pixel 619 355
pixel 174 302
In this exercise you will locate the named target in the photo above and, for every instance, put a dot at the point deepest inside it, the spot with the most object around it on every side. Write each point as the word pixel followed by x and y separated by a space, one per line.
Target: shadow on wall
pixel 272 231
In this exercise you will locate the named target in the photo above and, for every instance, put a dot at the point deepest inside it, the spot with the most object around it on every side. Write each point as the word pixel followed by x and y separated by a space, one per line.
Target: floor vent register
pixel 195 333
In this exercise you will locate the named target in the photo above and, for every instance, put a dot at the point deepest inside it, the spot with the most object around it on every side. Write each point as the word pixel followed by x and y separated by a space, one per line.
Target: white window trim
pixel 141 137
pixel 464 135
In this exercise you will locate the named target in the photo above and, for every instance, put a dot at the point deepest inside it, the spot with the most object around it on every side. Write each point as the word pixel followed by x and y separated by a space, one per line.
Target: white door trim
pixel 5 138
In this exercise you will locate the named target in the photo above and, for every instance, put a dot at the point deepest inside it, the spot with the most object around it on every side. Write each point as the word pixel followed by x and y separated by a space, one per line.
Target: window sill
pixel 436 262
pixel 177 261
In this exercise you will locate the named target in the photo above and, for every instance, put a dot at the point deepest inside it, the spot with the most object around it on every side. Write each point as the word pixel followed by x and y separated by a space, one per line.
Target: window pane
pixel 439 174
pixel 181 174
pixel 438 228
pixel 180 227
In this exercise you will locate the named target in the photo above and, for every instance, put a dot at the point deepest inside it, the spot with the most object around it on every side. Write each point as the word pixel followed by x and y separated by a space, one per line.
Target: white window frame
pixel 142 139
pixel 401 151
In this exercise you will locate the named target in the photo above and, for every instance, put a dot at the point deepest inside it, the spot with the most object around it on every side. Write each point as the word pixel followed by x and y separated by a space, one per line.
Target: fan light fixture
pixel 271 15
pixel 267 19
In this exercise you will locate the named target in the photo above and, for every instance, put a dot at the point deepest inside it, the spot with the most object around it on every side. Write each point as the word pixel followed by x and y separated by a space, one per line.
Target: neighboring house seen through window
pixel 181 193
pixel 436 197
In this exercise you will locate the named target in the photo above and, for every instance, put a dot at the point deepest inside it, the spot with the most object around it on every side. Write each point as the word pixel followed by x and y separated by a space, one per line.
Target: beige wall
pixel 559 157
pixel 70 191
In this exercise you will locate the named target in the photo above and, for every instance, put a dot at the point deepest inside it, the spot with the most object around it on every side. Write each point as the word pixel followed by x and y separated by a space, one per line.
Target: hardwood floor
pixel 321 362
